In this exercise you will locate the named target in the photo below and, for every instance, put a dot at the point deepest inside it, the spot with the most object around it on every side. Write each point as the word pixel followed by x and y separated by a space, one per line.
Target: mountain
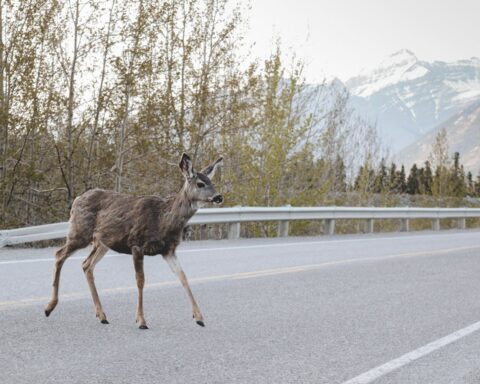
pixel 463 133
pixel 406 97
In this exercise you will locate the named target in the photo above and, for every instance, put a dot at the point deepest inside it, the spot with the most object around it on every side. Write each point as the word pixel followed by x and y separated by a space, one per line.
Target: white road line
pixel 382 370
pixel 280 244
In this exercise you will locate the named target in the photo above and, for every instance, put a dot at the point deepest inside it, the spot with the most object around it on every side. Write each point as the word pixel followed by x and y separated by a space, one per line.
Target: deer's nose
pixel 218 199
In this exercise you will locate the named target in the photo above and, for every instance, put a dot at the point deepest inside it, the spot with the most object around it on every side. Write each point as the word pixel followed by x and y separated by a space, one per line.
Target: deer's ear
pixel 209 171
pixel 186 166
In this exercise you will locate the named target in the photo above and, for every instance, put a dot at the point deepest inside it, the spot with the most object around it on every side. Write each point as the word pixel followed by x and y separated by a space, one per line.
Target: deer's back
pixel 120 221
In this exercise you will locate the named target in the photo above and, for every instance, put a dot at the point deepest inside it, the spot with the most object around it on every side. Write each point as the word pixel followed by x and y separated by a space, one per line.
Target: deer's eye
pixel 200 185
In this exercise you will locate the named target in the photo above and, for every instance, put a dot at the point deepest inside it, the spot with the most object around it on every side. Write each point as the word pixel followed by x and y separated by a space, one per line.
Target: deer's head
pixel 198 185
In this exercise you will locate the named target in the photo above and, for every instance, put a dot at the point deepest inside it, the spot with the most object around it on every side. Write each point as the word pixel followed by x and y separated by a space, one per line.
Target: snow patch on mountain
pixel 406 97
pixel 463 134
pixel 401 66
pixel 465 90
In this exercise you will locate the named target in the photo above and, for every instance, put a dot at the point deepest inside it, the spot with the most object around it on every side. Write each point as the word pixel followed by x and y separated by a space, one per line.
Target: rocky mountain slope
pixel 463 133
pixel 407 98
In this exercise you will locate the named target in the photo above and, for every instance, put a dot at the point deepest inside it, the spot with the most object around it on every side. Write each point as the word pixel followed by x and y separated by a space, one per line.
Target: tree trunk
pixel 71 98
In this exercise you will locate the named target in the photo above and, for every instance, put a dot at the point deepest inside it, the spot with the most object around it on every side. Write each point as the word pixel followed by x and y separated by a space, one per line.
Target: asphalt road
pixel 390 308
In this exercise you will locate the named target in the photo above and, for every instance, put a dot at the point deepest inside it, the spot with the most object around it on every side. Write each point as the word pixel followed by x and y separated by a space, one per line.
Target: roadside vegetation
pixel 110 93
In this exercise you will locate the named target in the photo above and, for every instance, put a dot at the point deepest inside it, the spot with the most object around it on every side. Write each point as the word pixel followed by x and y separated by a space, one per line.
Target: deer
pixel 137 226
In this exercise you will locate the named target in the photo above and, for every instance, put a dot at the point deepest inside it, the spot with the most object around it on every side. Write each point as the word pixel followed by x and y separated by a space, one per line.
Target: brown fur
pixel 122 221
pixel 137 225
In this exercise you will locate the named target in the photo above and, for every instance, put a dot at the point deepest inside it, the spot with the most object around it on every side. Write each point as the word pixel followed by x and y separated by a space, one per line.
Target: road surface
pixel 383 308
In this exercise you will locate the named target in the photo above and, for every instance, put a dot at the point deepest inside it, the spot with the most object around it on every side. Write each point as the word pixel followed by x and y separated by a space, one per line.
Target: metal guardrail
pixel 237 215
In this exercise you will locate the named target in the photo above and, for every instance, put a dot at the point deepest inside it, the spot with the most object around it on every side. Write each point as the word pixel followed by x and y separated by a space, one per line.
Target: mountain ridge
pixel 463 135
pixel 406 97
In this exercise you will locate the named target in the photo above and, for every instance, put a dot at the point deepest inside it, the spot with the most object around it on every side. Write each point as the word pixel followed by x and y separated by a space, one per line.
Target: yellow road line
pixel 234 276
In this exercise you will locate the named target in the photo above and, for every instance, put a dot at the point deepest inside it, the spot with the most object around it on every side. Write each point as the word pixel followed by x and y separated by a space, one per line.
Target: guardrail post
pixel 329 227
pixel 3 240
pixel 436 224
pixel 369 226
pixel 405 225
pixel 461 223
pixel 234 231
pixel 282 230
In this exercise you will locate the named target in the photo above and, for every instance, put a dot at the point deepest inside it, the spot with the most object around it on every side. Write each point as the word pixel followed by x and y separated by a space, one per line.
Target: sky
pixel 340 38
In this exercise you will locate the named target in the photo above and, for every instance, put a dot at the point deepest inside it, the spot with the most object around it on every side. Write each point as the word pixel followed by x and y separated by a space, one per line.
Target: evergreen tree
pixel 381 179
pixel 357 182
pixel 470 184
pixel 413 183
pixel 365 180
pixel 402 182
pixel 392 178
pixel 457 177
pixel 340 180
pixel 427 180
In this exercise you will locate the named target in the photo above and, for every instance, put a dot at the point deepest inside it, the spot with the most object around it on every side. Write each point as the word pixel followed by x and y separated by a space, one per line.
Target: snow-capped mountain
pixel 463 135
pixel 407 97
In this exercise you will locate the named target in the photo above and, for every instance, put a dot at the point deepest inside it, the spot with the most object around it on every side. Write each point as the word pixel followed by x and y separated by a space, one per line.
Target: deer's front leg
pixel 140 276
pixel 88 266
pixel 176 268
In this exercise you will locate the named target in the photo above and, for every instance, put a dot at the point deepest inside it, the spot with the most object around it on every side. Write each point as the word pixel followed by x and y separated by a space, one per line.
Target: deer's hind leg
pixel 60 256
pixel 88 265
pixel 140 277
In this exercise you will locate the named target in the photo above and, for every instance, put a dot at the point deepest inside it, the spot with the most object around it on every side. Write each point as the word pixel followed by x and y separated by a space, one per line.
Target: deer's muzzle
pixel 217 199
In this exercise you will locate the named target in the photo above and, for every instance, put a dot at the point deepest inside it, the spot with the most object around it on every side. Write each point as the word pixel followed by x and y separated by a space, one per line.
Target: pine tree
pixel 365 180
pixel 457 177
pixel 381 179
pixel 427 180
pixel 340 180
pixel 413 184
pixel 470 184
pixel 402 182
pixel 398 183
pixel 392 178
pixel 358 179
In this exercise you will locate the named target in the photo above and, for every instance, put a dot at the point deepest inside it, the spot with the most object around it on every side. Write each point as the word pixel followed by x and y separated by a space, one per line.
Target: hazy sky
pixel 342 37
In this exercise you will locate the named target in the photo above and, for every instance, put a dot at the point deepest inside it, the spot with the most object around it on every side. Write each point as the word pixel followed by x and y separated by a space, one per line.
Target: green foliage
pixel 108 94
pixel 445 181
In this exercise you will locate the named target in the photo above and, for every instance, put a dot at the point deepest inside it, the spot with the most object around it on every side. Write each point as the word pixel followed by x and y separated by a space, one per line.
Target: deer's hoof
pixel 47 312
pixel 201 323
pixel 143 326
pixel 104 321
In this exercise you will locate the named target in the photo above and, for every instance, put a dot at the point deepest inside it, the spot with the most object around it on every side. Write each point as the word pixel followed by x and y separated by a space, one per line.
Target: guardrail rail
pixel 236 215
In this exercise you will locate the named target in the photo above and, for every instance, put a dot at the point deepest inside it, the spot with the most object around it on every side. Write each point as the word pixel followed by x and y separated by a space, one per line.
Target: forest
pixel 110 93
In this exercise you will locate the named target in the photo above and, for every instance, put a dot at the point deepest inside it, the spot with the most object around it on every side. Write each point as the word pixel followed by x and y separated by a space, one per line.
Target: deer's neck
pixel 182 208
